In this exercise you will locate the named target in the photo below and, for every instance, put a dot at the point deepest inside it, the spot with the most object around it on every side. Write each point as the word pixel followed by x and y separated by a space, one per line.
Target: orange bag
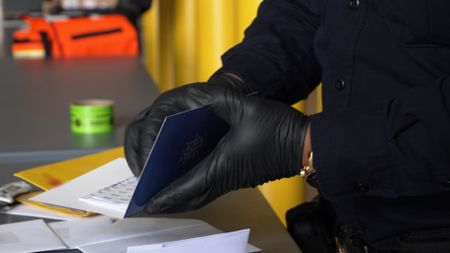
pixel 31 42
pixel 108 35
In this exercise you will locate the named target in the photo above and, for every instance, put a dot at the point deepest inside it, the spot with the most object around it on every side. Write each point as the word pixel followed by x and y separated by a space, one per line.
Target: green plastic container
pixel 92 116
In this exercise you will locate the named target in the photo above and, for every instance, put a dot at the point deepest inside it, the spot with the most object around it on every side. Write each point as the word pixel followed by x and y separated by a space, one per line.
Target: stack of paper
pixel 69 194
pixel 118 236
pixel 52 175
pixel 101 234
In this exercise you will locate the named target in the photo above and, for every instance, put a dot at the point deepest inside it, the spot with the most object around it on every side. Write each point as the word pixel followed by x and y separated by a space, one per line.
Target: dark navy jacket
pixel 382 143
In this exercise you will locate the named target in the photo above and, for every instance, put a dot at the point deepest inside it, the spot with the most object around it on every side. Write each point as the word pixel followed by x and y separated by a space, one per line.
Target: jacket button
pixel 339 84
pixel 353 4
pixel 362 187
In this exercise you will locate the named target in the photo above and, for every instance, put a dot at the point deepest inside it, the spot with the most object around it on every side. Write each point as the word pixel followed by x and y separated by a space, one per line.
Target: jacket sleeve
pixel 397 148
pixel 276 57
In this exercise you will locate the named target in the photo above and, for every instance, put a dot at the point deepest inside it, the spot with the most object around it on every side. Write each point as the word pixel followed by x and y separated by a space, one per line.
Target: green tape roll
pixel 92 116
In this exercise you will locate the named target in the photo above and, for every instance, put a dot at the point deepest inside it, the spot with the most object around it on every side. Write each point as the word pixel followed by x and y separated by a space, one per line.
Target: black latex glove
pixel 264 143
pixel 142 131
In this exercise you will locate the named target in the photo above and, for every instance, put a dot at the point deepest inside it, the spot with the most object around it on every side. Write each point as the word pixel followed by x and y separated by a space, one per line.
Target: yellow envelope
pixel 51 175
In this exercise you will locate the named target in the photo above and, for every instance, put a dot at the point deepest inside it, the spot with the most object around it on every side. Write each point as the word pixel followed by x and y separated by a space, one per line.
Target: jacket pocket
pixel 418 23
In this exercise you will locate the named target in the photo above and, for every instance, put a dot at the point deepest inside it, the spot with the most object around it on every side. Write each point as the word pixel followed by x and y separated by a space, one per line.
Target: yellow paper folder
pixel 51 175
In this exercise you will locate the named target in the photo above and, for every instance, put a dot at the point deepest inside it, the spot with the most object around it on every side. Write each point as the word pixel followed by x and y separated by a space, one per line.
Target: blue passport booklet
pixel 183 141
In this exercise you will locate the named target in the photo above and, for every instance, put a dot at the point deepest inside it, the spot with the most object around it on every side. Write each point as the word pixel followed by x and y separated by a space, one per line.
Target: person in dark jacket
pixel 382 143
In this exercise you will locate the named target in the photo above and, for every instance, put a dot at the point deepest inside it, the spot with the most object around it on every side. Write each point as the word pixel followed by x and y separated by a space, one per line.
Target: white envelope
pixel 116 237
pixel 232 242
pixel 81 231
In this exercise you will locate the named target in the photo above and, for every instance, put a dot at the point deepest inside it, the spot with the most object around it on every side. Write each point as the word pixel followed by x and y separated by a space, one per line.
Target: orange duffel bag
pixel 108 35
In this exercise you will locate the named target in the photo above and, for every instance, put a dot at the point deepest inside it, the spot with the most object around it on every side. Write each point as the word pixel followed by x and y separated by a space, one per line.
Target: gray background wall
pixel 20 5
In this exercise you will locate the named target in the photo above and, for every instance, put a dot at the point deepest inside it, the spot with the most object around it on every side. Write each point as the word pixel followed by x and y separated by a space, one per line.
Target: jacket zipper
pixel 92 34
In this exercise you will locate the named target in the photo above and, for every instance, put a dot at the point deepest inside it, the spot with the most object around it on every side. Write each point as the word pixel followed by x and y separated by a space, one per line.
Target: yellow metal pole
pixel 319 98
pixel 167 45
pixel 150 41
pixel 185 41
pixel 215 34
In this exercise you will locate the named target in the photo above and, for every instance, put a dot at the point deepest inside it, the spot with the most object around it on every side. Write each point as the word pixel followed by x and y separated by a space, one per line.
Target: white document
pixel 28 236
pixel 73 233
pixel 82 231
pixel 231 242
pixel 174 233
pixel 68 194
pixel 116 237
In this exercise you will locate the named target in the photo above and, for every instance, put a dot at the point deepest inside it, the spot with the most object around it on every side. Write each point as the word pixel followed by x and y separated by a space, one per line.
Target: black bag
pixel 311 225
pixel 436 241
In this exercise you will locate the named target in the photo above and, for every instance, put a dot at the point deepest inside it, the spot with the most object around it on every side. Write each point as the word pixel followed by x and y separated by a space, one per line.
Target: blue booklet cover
pixel 184 139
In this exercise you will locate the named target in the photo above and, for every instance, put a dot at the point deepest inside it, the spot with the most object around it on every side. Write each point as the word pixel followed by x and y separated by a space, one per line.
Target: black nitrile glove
pixel 142 131
pixel 264 143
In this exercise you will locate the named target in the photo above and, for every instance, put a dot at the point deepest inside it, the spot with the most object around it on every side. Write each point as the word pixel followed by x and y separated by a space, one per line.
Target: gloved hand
pixel 142 131
pixel 264 143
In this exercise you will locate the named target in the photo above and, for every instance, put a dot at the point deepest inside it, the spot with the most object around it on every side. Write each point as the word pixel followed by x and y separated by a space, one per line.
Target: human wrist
pixel 308 171
pixel 307 148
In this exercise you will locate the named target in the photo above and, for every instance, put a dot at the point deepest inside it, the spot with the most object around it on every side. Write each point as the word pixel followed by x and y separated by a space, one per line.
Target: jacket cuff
pixel 264 79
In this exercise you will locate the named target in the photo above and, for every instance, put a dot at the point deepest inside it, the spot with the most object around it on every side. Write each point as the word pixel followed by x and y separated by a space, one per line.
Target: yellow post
pixel 319 98
pixel 215 34
pixel 150 41
pixel 185 32
pixel 167 45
